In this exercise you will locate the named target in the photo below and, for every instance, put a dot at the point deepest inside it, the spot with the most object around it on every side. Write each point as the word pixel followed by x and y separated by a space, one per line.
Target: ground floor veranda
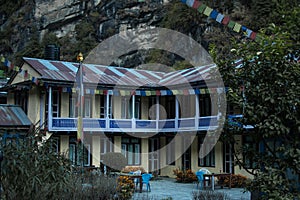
pixel 161 153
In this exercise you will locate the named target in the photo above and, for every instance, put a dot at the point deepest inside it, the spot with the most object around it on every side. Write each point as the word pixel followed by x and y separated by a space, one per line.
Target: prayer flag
pixel 253 35
pixel 201 8
pixel 237 27
pixel 214 14
pixel 225 20
pixel 244 28
pixel 138 92
pixel 122 92
pixel 143 93
pixel 190 3
pixel 231 24
pixel 248 31
pixel 196 4
pixel 207 11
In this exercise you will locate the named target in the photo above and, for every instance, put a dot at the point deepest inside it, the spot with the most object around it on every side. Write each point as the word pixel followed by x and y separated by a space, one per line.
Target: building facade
pixel 159 121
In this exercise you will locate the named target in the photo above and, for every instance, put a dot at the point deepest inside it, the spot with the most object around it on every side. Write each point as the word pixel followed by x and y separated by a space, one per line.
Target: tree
pixel 266 88
pixel 32 171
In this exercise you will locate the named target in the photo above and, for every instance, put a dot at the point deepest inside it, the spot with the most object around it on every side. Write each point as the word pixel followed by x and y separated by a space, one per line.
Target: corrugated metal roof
pixel 109 75
pixel 13 116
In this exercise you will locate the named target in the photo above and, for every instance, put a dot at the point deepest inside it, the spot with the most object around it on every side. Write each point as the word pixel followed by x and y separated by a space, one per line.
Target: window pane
pixel 72 153
pixel 87 107
pixel 124 149
pixel 130 154
pixel 134 140
pixel 137 154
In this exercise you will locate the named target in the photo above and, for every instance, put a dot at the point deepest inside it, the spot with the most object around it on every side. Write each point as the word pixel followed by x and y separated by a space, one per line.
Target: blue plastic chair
pixel 146 180
pixel 200 178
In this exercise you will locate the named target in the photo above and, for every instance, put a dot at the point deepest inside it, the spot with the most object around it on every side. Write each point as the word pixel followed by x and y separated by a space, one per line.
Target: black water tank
pixel 52 52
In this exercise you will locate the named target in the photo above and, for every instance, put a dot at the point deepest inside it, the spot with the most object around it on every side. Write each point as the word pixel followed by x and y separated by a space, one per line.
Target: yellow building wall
pixel 144 154
pixel 33 112
pixel 116 105
pixel 117 144
pixel 96 106
pixel 96 150
pixel 144 108
pixel 194 153
pixel 31 72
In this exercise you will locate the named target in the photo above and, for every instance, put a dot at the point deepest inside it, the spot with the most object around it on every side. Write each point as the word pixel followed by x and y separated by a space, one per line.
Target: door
pixel 186 157
pixel 153 154
pixel 228 158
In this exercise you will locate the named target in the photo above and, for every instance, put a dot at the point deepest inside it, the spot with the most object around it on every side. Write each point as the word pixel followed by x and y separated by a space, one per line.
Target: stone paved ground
pixel 167 187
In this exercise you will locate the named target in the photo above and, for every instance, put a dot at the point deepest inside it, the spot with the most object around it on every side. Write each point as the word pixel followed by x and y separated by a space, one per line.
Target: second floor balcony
pixel 135 125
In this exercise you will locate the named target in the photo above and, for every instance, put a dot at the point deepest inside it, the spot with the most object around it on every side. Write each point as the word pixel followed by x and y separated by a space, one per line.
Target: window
pixel 137 108
pixel 249 145
pixel 87 107
pixel 126 107
pixel 79 154
pixel 21 99
pixel 55 104
pixel 170 153
pixel 171 108
pixel 73 109
pixel 205 105
pixel 131 149
pixel 103 106
pixel 207 160
pixel 152 108
pixel 106 145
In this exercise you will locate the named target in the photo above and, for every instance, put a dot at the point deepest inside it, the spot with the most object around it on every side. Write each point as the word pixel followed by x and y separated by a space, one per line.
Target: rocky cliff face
pixel 32 21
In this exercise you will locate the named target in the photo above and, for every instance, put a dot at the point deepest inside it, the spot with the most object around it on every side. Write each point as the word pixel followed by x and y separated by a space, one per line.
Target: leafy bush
pixel 91 186
pixel 237 181
pixel 209 194
pixel 32 170
pixel 29 168
pixel 125 187
pixel 185 176
pixel 114 161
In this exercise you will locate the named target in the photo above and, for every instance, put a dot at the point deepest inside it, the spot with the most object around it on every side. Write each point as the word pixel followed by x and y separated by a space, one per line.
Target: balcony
pixel 135 125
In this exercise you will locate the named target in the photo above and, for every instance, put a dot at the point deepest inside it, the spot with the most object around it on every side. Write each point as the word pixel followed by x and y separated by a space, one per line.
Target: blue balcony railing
pixel 135 125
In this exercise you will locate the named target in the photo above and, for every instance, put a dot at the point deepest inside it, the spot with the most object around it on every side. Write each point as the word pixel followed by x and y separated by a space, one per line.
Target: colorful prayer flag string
pixel 23 73
pixel 225 20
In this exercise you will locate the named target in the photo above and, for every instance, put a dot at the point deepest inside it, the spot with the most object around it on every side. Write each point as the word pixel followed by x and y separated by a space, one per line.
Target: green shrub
pixel 237 181
pixel 185 176
pixel 90 186
pixel 125 187
pixel 32 171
